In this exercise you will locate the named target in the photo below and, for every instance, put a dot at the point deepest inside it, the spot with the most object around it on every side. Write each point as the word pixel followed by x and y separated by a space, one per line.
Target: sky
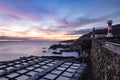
pixel 55 19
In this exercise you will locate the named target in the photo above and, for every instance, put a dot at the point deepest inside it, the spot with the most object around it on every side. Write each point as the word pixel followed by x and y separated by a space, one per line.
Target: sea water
pixel 14 49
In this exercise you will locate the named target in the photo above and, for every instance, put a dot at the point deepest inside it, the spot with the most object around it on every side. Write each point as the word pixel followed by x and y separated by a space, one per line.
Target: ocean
pixel 14 49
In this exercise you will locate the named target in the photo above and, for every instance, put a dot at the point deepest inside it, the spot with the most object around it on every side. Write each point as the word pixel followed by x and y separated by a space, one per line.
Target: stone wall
pixel 105 63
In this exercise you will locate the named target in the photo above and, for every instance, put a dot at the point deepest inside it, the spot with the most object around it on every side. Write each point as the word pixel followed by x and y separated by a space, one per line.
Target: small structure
pixel 39 68
pixel 109 34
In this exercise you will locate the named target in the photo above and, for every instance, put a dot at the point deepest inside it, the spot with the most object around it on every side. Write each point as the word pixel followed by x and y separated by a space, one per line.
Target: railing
pixel 113 46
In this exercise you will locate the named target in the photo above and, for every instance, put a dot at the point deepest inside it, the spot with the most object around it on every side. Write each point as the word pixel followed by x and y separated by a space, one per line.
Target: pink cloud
pixel 8 11
pixel 19 15
pixel 63 22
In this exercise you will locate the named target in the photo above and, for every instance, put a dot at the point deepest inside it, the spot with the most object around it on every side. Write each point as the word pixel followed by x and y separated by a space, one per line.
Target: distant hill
pixel 11 38
pixel 115 32
pixel 68 41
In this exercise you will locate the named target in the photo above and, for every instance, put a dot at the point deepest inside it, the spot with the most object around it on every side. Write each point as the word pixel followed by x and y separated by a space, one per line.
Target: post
pixel 93 32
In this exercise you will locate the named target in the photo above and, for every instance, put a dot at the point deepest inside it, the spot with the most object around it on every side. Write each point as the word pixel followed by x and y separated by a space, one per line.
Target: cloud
pixel 24 9
pixel 85 25
pixel 79 32
pixel 43 19
pixel 85 22
pixel 10 12
pixel 82 21
pixel 18 15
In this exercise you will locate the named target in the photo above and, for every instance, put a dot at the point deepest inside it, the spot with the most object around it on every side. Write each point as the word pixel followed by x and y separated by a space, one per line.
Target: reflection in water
pixel 14 50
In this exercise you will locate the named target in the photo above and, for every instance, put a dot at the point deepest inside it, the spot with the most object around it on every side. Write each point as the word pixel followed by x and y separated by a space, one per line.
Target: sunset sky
pixel 55 19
